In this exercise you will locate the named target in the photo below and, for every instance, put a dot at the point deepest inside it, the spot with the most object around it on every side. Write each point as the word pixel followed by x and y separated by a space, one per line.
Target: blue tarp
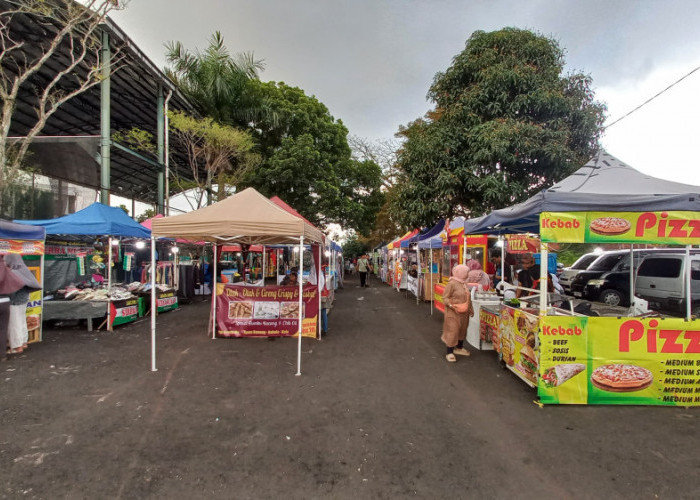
pixel 13 231
pixel 95 220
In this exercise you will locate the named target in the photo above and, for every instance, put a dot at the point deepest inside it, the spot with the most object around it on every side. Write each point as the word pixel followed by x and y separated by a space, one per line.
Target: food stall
pixel 249 218
pixel 27 242
pixel 116 302
pixel 637 360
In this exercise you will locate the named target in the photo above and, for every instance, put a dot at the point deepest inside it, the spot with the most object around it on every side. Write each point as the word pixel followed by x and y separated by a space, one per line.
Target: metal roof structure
pixel 68 146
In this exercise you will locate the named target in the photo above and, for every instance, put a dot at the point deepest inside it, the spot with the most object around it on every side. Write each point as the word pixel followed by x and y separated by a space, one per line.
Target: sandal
pixel 16 350
pixel 451 358
pixel 461 351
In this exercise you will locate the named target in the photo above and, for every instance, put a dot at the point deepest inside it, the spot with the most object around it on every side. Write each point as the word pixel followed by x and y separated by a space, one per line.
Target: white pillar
pixel 544 257
pixel 301 303
pixel 109 285
pixel 153 304
pixel 689 298
pixel 213 294
pixel 631 275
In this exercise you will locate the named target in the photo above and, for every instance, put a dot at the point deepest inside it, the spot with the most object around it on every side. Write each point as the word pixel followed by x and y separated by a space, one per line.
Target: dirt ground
pixel 377 413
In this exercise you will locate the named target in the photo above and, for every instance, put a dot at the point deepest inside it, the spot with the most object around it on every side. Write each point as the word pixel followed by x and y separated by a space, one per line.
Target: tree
pixel 382 152
pixel 213 151
pixel 67 26
pixel 354 247
pixel 219 83
pixel 307 162
pixel 123 207
pixel 147 214
pixel 506 124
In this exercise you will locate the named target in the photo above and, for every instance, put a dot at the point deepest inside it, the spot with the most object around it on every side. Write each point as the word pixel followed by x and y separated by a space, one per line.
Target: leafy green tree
pixel 506 124
pixel 307 162
pixel 354 247
pixel 147 214
pixel 219 83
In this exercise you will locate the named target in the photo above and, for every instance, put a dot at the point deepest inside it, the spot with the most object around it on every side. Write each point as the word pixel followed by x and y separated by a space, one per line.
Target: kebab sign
pixel 644 361
pixel 669 228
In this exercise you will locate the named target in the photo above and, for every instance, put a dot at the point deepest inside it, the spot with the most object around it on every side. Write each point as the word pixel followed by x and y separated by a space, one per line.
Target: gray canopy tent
pixel 604 184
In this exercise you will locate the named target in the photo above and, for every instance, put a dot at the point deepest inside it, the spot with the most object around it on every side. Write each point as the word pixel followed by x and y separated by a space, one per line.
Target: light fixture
pixel 140 245
pixel 328 253
pixel 174 249
pixel 598 250
pixel 296 249
pixel 115 242
pixel 499 243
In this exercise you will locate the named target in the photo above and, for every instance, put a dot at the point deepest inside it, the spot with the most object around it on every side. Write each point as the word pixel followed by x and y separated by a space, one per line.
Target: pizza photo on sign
pixel 610 226
pixel 621 378
pixel 558 374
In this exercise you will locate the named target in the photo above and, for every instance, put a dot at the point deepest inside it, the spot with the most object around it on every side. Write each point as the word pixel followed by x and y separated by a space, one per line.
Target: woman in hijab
pixel 477 275
pixel 458 309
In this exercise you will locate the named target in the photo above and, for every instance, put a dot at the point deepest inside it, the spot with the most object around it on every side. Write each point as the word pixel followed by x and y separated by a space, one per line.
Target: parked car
pixel 661 280
pixel 613 287
pixel 568 273
pixel 604 263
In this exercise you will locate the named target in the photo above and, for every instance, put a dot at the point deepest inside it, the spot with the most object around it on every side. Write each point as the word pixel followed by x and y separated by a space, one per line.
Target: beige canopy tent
pixel 246 217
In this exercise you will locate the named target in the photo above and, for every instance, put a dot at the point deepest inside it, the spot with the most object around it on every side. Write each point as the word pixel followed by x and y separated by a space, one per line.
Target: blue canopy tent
pixel 14 231
pixel 95 220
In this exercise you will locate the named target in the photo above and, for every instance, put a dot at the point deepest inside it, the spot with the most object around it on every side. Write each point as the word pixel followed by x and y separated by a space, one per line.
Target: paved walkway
pixel 377 413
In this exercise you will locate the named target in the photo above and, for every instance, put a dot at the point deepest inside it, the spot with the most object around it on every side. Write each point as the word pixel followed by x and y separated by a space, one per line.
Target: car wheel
pixel 611 297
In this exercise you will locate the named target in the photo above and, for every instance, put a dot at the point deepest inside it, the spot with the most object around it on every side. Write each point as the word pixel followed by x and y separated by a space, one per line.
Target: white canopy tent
pixel 247 218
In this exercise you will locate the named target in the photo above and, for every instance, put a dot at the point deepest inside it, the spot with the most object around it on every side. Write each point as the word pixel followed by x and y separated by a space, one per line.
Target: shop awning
pixel 95 220
pixel 246 217
pixel 397 242
pixel 14 231
pixel 604 184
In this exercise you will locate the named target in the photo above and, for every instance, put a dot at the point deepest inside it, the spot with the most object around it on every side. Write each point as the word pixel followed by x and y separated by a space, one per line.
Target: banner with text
pixel 270 311
pixel 522 243
pixel 668 228
pixel 632 361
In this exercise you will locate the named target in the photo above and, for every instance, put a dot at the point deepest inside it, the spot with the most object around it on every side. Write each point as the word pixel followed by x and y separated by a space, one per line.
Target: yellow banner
pixel 669 228
pixel 639 361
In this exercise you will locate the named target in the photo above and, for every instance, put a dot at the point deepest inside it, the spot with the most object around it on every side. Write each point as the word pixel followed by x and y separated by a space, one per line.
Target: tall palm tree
pixel 219 83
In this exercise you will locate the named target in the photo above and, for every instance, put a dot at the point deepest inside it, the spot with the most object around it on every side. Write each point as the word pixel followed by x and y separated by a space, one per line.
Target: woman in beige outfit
pixel 458 309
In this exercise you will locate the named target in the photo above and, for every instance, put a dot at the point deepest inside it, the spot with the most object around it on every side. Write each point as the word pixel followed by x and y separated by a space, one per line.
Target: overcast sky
pixel 371 61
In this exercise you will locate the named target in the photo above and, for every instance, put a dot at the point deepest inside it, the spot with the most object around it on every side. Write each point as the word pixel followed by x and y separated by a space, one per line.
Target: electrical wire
pixel 652 98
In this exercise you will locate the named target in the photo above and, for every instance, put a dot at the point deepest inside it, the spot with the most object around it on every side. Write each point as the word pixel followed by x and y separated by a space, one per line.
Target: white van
pixel 661 280
pixel 569 273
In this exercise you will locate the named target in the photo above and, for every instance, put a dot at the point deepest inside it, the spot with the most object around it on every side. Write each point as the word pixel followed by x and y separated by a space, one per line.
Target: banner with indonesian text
pixel 668 228
pixel 270 311
pixel 632 361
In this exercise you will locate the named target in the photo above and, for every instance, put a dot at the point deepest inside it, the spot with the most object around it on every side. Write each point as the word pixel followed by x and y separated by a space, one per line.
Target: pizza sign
pixel 672 227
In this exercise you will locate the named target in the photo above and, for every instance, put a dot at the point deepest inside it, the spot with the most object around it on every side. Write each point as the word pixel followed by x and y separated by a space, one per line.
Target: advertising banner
pixel 412 285
pixel 271 311
pixel 522 243
pixel 636 361
pixel 35 308
pixel 22 247
pixel 124 311
pixel 488 328
pixel 438 301
pixel 668 228
pixel 518 339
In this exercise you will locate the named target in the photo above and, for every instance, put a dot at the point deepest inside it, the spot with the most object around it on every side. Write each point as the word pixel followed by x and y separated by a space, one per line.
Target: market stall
pixel 84 261
pixel 22 256
pixel 605 360
pixel 249 218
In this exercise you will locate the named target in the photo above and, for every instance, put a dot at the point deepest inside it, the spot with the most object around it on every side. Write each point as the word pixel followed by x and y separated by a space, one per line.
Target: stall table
pixel 474 335
pixel 72 309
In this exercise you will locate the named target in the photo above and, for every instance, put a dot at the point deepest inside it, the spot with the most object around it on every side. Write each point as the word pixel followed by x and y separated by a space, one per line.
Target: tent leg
pixel 430 271
pixel 213 294
pixel 544 260
pixel 689 301
pixel 109 285
pixel 301 303
pixel 153 305
pixel 631 277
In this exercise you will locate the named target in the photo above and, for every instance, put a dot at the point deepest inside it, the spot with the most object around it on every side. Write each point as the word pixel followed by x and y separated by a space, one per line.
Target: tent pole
pixel 688 301
pixel 318 287
pixel 264 265
pixel 109 285
pixel 153 304
pixel 544 260
pixel 418 274
pixel 213 295
pixel 431 279
pixel 301 303
pixel 503 259
pixel 631 276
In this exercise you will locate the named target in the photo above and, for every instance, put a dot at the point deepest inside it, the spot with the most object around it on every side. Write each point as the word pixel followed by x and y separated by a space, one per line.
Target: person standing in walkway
pixel 458 310
pixel 363 267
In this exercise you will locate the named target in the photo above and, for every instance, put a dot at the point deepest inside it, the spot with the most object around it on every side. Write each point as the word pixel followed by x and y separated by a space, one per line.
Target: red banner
pixel 521 243
pixel 22 247
pixel 271 311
